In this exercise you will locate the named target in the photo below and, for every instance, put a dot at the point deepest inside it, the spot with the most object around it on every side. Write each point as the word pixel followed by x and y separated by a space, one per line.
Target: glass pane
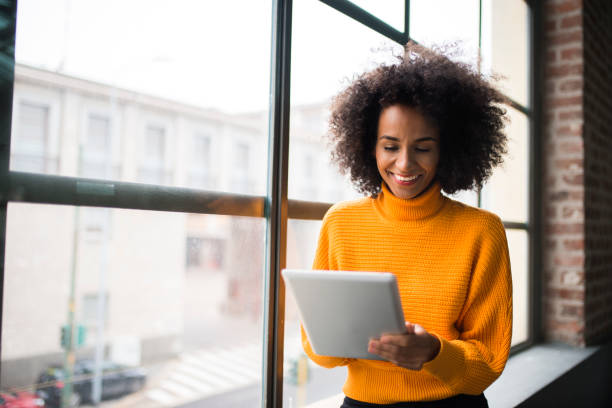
pixel 165 73
pixel 468 197
pixel 161 296
pixel 519 261
pixel 304 381
pixel 437 22
pixel 338 50
pixel 505 45
pixel 506 192
pixel 389 11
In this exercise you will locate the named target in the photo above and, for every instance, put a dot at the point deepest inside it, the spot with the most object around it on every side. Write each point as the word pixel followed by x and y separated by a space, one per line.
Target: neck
pixel 424 205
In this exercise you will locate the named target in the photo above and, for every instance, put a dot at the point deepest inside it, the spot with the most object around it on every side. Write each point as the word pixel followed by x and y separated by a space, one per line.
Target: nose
pixel 404 160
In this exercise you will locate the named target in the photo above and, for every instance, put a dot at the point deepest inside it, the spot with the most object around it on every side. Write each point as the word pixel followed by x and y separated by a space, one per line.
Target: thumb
pixel 419 330
pixel 410 328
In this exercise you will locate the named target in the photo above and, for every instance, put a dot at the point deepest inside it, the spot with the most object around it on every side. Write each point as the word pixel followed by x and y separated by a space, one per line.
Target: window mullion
pixel 8 18
pixel 276 205
pixel 359 14
pixel 51 189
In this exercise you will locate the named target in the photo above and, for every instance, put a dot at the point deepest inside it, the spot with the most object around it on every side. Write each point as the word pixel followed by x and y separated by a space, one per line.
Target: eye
pixel 422 149
pixel 390 148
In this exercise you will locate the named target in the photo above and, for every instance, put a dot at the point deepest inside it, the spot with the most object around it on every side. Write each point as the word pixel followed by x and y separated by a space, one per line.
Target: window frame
pixel 275 206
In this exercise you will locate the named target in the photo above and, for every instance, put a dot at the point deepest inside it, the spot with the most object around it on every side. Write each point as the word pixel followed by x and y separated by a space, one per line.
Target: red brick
pixel 569 85
pixel 563 7
pixel 571 147
pixel 574 53
pixel 550 26
pixel 574 179
pixel 569 164
pixel 569 130
pixel 568 294
pixel 565 228
pixel 569 260
pixel 564 70
pixel 571 114
pixel 571 21
pixel 564 101
pixel 565 38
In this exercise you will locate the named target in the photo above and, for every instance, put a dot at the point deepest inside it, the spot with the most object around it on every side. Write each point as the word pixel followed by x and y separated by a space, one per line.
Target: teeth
pixel 400 178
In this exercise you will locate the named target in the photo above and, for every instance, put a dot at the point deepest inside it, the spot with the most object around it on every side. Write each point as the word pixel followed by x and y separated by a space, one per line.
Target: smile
pixel 404 179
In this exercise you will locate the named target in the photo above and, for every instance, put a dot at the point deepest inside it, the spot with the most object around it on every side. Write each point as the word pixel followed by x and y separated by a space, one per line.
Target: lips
pixel 405 180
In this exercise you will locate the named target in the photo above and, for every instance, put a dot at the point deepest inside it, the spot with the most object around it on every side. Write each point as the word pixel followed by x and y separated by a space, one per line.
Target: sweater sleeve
pixel 472 362
pixel 322 262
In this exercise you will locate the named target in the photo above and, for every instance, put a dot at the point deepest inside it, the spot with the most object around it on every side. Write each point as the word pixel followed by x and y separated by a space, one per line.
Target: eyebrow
pixel 422 139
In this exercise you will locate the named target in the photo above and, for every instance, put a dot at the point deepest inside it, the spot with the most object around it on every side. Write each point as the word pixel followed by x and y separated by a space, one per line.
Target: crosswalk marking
pixel 216 360
pixel 191 381
pixel 177 388
pixel 160 396
pixel 218 369
pixel 251 361
pixel 202 373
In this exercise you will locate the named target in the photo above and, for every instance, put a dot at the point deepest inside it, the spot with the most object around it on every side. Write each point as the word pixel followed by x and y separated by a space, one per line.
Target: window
pixel 30 146
pixel 162 178
pixel 152 169
pixel 205 254
pixel 240 170
pixel 200 169
pixel 96 153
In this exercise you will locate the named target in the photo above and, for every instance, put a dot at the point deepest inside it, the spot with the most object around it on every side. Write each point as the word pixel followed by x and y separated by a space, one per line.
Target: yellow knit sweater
pixel 453 273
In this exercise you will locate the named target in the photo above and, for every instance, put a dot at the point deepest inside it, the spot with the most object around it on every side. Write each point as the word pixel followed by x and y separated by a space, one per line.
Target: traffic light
pixel 81 335
pixel 65 336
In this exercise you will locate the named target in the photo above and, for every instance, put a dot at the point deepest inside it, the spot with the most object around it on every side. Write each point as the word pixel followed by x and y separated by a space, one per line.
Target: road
pixel 225 378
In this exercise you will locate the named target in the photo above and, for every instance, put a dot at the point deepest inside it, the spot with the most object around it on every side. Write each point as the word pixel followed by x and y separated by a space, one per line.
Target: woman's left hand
pixel 409 350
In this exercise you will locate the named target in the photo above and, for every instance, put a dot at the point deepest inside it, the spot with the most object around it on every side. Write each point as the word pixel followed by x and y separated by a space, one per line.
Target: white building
pixel 134 270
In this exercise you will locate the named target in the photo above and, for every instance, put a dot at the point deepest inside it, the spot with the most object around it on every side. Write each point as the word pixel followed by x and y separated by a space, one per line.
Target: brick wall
pixel 597 136
pixel 577 152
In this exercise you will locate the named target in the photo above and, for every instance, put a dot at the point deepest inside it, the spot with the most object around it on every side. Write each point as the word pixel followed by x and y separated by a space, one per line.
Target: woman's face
pixel 407 150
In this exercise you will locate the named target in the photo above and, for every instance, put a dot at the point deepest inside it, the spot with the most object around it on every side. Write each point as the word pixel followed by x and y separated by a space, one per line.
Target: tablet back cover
pixel 341 310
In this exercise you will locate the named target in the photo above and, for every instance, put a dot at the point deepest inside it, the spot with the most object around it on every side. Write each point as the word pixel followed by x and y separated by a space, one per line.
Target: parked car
pixel 20 399
pixel 117 380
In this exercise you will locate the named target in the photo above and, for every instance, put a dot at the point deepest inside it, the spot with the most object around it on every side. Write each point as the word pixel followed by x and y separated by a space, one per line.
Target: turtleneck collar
pixel 397 209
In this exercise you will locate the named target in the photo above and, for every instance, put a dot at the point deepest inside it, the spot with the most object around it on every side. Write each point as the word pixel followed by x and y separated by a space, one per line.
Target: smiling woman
pixel 163 163
pixel 405 132
pixel 454 99
pixel 407 151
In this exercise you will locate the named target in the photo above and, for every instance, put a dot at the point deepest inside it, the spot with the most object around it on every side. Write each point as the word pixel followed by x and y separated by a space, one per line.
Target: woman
pixel 404 133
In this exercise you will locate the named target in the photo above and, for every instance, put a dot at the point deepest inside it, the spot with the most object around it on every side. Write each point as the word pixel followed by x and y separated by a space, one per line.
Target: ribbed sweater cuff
pixel 449 365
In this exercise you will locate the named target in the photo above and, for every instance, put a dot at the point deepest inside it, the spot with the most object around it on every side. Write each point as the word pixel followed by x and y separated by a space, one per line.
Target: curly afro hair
pixel 455 98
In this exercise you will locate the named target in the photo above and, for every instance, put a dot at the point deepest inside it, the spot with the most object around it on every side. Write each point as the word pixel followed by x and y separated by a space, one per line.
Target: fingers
pixel 394 354
pixel 381 347
pixel 409 350
pixel 389 352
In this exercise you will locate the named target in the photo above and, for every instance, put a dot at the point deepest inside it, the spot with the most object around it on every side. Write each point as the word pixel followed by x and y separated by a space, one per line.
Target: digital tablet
pixel 341 311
